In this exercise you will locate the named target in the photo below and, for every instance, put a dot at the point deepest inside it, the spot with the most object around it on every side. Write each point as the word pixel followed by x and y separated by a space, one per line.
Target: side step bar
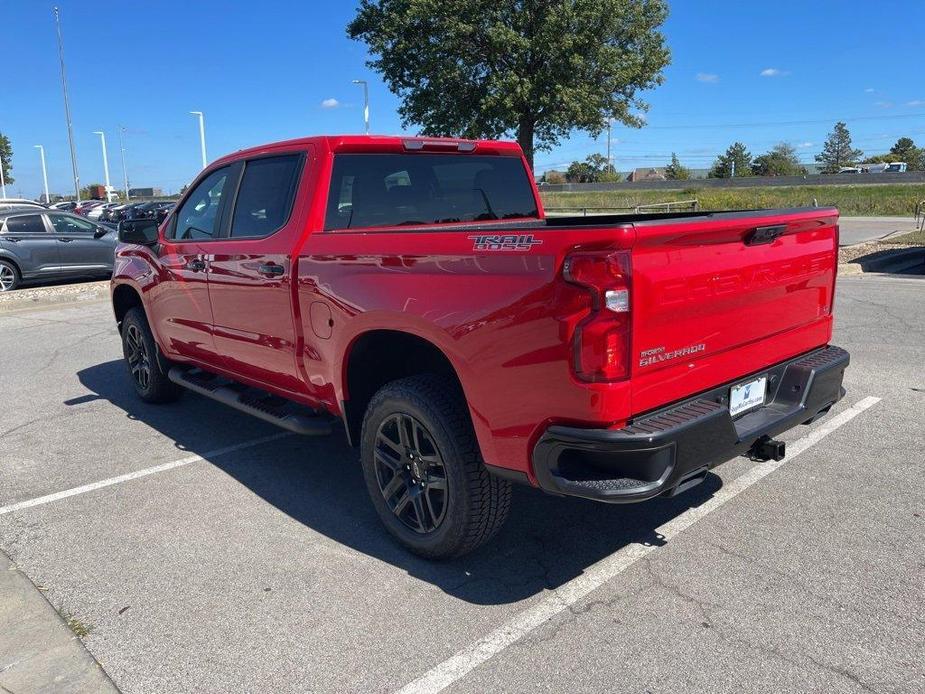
pixel 270 408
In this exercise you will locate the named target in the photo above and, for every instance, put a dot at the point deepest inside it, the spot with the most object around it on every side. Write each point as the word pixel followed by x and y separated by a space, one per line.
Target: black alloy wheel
pixel 410 472
pixel 139 361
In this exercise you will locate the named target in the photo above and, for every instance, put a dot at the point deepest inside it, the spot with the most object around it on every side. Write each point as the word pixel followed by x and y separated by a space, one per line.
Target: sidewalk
pixel 38 652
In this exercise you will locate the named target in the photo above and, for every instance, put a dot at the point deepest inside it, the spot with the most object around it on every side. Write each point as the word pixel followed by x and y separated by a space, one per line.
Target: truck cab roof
pixel 383 143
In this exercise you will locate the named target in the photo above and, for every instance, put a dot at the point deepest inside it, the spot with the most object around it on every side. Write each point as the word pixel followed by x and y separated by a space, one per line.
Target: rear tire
pixel 9 276
pixel 141 357
pixel 424 471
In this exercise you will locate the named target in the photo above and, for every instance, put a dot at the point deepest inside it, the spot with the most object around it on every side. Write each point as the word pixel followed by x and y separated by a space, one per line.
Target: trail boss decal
pixel 506 242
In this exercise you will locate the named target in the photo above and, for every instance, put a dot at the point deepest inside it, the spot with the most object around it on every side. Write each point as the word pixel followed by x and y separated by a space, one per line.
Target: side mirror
pixel 142 232
pixel 100 232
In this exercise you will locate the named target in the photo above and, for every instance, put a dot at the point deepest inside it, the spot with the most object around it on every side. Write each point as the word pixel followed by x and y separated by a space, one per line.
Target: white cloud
pixel 330 103
pixel 774 72
pixel 884 104
pixel 870 90
pixel 804 145
pixel 915 102
pixel 707 77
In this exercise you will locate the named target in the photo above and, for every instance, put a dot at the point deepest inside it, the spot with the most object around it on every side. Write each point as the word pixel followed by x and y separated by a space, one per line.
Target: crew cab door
pixel 81 249
pixel 26 240
pixel 250 271
pixel 181 308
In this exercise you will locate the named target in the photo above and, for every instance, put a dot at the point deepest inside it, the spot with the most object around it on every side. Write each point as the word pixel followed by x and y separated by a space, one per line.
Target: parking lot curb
pixel 59 294
pixel 846 269
pixel 39 652
pixel 892 261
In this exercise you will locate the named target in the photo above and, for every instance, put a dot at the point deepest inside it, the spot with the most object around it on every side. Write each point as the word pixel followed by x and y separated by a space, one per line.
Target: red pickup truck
pixel 412 290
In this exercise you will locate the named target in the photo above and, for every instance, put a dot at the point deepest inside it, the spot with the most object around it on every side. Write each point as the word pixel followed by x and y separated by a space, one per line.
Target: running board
pixel 270 408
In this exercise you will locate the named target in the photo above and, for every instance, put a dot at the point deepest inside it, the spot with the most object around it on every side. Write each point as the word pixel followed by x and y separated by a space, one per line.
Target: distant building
pixel 145 192
pixel 648 173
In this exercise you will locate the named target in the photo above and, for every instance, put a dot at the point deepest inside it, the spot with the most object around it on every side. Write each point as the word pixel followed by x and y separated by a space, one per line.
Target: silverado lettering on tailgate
pixel 658 354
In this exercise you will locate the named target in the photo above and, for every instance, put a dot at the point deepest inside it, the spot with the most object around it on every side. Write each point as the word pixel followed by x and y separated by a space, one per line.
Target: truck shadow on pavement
pixel 546 542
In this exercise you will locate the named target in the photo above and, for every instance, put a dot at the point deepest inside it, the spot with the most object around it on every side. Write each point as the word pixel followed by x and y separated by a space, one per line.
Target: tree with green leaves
pixel 533 68
pixel 675 171
pixel 6 153
pixel 905 150
pixel 737 161
pixel 837 151
pixel 781 160
pixel 594 169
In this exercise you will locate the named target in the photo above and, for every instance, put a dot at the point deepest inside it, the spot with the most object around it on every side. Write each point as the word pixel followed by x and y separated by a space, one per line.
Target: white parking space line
pixel 47 499
pixel 466 660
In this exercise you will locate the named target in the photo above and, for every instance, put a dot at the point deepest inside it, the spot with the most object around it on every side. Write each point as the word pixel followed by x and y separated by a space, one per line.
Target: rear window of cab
pixel 385 190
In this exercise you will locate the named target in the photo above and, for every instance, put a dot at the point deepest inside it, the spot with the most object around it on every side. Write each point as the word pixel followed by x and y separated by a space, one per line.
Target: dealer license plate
pixel 745 396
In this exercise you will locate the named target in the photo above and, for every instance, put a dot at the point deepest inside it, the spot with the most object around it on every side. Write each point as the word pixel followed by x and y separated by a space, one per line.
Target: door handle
pixel 196 265
pixel 65 240
pixel 271 270
pixel 10 238
pixel 763 235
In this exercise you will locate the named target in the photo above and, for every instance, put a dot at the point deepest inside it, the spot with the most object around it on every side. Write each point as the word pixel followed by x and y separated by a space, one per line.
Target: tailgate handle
pixel 761 235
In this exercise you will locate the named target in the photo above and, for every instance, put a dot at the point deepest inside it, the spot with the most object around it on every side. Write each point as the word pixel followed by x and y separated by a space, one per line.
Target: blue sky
pixel 753 71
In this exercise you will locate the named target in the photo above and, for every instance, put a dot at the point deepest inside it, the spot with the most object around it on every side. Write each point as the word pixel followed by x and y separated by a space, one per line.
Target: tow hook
pixel 767 448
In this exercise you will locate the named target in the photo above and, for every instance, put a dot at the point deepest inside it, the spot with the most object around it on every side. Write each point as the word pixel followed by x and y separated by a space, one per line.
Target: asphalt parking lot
pixel 223 555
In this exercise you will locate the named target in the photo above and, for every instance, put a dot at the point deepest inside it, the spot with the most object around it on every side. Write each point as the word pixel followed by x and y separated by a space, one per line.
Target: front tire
pixel 424 471
pixel 9 276
pixel 150 380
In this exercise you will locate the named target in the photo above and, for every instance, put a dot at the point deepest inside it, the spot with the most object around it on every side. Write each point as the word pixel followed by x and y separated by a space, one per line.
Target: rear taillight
pixel 601 343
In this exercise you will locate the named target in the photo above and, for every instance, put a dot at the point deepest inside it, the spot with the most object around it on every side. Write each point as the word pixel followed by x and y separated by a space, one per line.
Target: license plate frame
pixel 748 395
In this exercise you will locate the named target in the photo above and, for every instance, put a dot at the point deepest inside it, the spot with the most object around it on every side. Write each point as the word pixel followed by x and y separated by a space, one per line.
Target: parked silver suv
pixel 39 244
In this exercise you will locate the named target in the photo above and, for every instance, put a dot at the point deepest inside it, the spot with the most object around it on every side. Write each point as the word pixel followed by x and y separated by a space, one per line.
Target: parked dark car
pixel 108 213
pixel 159 210
pixel 126 211
pixel 50 244
pixel 160 214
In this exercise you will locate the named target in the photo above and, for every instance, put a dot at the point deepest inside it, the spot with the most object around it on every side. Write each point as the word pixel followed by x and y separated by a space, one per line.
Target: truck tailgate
pixel 717 299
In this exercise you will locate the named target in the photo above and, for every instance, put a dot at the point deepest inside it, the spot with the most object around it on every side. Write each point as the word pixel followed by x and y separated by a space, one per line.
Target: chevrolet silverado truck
pixel 413 291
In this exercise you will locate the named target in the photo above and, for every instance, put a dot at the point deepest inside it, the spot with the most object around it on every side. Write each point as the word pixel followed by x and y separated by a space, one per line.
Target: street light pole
pixel 609 162
pixel 365 102
pixel 2 179
pixel 67 110
pixel 105 162
pixel 202 136
pixel 44 173
pixel 124 170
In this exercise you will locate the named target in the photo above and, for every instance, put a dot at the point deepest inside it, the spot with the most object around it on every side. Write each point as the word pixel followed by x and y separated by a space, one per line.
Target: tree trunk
pixel 525 139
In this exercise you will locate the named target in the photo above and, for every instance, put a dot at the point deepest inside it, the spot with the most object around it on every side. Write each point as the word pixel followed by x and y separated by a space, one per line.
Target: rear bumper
pixel 671 449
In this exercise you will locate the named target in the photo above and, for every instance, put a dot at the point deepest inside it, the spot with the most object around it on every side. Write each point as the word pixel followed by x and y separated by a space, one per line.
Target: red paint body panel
pixel 715 308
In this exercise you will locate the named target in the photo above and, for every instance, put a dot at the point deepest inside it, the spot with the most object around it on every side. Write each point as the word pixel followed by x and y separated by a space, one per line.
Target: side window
pixel 70 225
pixel 198 217
pixel 25 224
pixel 265 196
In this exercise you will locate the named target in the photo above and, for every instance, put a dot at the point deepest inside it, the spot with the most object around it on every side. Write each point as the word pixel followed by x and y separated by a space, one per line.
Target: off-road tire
pixel 477 502
pixel 141 353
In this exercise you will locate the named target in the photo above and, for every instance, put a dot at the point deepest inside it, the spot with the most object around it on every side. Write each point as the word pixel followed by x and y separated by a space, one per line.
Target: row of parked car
pixel 115 212
pixel 63 241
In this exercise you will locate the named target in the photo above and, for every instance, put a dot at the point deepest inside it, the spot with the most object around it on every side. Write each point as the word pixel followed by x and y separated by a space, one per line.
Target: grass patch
pixel 75 625
pixel 860 201
pixel 913 238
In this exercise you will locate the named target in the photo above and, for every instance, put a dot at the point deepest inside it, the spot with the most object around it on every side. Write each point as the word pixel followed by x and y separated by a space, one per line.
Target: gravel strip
pixel 61 293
